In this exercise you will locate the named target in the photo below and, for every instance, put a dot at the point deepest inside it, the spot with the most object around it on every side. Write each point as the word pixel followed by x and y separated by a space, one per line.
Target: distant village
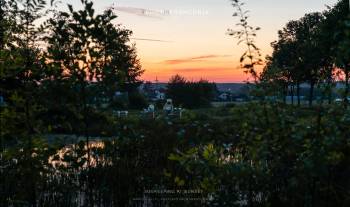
pixel 155 92
pixel 229 92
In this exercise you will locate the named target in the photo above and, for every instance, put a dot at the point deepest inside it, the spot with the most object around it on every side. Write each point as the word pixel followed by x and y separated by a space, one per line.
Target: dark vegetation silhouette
pixel 190 94
pixel 245 34
pixel 61 145
pixel 312 50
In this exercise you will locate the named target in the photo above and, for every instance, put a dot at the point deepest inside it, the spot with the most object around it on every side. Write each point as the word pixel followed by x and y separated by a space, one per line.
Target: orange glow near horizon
pixel 213 70
pixel 189 37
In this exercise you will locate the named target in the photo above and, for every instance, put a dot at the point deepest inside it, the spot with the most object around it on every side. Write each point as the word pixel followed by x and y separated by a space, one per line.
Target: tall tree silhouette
pixel 21 72
pixel 91 52
pixel 337 30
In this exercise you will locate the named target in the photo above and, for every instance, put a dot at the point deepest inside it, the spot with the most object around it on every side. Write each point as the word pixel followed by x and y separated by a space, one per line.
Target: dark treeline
pixel 53 75
pixel 191 94
pixel 62 68
pixel 313 50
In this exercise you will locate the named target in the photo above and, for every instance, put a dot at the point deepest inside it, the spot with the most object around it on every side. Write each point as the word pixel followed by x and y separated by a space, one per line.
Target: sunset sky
pixel 188 37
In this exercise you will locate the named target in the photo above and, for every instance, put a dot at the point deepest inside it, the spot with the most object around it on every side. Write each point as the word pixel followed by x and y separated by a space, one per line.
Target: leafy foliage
pixel 246 34
pixel 272 157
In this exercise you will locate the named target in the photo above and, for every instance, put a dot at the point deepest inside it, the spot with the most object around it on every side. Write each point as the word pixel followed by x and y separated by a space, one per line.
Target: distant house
pixel 152 91
pixel 159 95
pixel 118 95
pixel 224 96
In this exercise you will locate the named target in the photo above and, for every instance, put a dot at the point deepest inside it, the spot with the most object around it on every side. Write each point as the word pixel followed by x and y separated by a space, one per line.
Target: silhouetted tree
pixel 21 73
pixel 92 55
pixel 190 94
pixel 311 55
pixel 299 56
pixel 336 30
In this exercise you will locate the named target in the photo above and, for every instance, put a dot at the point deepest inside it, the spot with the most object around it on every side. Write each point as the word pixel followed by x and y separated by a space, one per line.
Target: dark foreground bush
pixel 255 155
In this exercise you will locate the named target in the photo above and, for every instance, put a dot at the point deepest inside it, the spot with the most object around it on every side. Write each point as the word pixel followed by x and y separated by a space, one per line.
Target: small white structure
pixel 122 114
pixel 150 110
pixel 179 111
pixel 224 96
pixel 168 107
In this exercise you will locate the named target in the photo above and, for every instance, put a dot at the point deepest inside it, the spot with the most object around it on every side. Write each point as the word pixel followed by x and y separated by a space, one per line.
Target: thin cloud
pixel 151 40
pixel 202 69
pixel 194 59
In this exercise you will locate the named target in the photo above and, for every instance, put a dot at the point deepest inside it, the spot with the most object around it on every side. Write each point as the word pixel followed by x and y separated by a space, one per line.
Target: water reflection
pixel 79 153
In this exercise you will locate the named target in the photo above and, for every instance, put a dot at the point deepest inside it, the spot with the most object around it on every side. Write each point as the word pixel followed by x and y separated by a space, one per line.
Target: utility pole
pixel 157 83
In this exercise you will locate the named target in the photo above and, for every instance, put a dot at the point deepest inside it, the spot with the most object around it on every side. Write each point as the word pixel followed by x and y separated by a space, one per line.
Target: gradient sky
pixel 192 33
